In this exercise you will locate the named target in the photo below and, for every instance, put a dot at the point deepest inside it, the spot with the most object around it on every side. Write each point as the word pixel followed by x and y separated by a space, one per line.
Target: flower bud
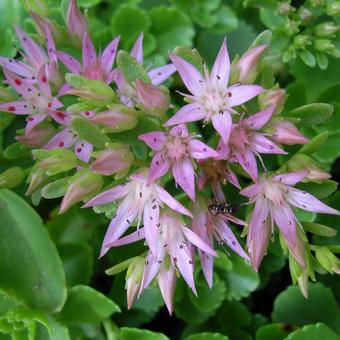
pixel 36 179
pixel 328 260
pixel 275 97
pixel 152 99
pixel 248 64
pixel 301 41
pixel 284 8
pixel 37 137
pixel 333 9
pixel 94 91
pixel 38 6
pixel 324 45
pixel 56 161
pixel 326 29
pixel 285 132
pixel 299 275
pixel 118 118
pixel 12 177
pixel 133 279
pixel 83 185
pixel 75 21
pixel 305 15
pixel 41 22
pixel 114 160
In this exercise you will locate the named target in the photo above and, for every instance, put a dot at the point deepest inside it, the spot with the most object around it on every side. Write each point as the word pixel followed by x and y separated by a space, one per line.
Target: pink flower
pixel 211 99
pixel 93 67
pixel 139 200
pixel 36 101
pixel 127 94
pixel 285 132
pixel 175 240
pixel 274 198
pixel 176 151
pixel 209 227
pixel 75 21
pixel 246 142
pixel 35 58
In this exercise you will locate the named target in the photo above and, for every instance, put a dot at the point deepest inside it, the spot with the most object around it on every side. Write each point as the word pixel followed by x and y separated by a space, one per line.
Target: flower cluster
pixel 99 124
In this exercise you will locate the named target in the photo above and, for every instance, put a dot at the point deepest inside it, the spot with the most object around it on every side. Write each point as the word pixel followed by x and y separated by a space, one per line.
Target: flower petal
pixel 222 123
pixel 291 178
pixel 63 139
pixel 172 203
pixel 33 121
pixel 159 166
pixel 191 77
pixel 220 72
pixel 43 83
pixel 16 107
pixel 89 54
pixel 184 175
pixel 243 93
pixel 109 54
pixel 167 283
pixel 17 67
pixel 150 271
pixel 251 190
pixel 259 119
pixel 20 85
pixel 264 145
pixel 155 139
pixel 160 74
pixel 248 162
pixel 199 150
pixel 110 195
pixel 188 113
pixel 131 238
pixel 151 220
pixel 137 49
pixel 71 63
pixel 306 201
pixel 83 150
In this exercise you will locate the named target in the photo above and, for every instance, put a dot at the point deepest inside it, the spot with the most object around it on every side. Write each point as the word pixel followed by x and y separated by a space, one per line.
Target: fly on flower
pixel 222 208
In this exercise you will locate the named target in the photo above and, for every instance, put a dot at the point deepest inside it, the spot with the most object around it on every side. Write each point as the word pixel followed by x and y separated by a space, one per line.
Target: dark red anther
pixel 229 94
pixel 18 81
pixel 49 104
pixel 61 115
pixel 44 79
pixel 78 150
pixel 11 108
pixel 61 144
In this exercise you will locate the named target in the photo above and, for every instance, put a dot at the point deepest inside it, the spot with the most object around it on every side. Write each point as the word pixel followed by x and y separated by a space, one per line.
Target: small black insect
pixel 222 208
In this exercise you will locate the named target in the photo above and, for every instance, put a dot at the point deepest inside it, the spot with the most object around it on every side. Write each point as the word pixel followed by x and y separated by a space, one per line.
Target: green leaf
pixel 88 3
pixel 191 55
pixel 55 189
pixel 78 261
pixel 274 331
pixel 312 114
pixel 319 229
pixel 131 69
pixel 34 272
pixel 129 22
pixel 322 60
pixel 314 144
pixel 313 332
pixel 241 280
pixel 264 38
pixel 55 330
pixel 292 308
pixel 207 336
pixel 308 58
pixel 85 304
pixel 17 150
pixel 127 333
pixel 88 131
pixel 327 153
pixel 226 20
pixel 171 27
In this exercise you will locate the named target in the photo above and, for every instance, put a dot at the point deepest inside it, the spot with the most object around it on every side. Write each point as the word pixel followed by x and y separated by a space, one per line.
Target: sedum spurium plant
pixel 184 173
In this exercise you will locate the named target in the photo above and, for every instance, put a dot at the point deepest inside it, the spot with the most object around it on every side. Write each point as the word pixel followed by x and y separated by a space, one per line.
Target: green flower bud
pixel 328 260
pixel 301 41
pixel 333 9
pixel 324 45
pixel 305 15
pixel 326 29
pixel 36 179
pixel 38 6
pixel 12 177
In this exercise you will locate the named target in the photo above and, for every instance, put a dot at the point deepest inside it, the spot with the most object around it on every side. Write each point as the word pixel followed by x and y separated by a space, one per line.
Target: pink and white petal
pixel 220 72
pixel 167 283
pixel 33 121
pixel 232 178
pixel 251 191
pixel 108 56
pixel 150 271
pixel 179 131
pixel 131 238
pixel 43 83
pixel 264 145
pixel 184 176
pixel 248 162
pixel 201 179
pixel 56 104
pixel 223 150
pixel 83 150
pixel 243 93
pixel 259 119
pixel 159 166
pixel 50 44
pixel 155 139
pixel 119 79
pixel 17 67
pixel 291 178
pixel 16 107
pixel 188 113
pixel 61 117
pixel 63 90
pixel 199 150
pixel 137 49
pixel 21 85
pixel 197 241
pixel 222 123
pixel 218 192
pixel 110 195
pixel 71 63
pixel 35 54
pixel 258 219
pixel 192 78
pixel 172 203
pixel 160 74
pixel 63 139
pixel 126 213
pixel 306 201
pixel 89 55
pixel 227 236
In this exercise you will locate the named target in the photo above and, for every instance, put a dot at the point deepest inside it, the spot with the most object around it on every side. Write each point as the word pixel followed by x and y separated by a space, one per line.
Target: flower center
pixel 176 148
pixel 214 101
pixel 239 138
